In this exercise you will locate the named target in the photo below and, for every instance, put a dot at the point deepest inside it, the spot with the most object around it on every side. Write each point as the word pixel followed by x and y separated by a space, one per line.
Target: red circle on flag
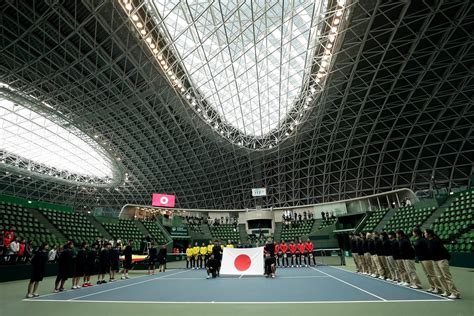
pixel 242 262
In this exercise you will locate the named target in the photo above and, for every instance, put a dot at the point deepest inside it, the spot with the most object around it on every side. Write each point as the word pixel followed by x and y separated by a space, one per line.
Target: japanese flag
pixel 242 261
pixel 165 200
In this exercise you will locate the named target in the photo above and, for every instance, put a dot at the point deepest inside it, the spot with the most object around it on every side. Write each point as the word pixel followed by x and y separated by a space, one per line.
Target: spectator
pixel 52 255
pixel 21 251
pixel 9 234
pixel 14 248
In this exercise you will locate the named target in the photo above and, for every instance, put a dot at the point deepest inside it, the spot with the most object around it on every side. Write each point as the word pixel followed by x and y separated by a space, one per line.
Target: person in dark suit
pixel 162 258
pixel 38 263
pixel 79 272
pixel 441 256
pixel 407 253
pixel 423 254
pixel 65 267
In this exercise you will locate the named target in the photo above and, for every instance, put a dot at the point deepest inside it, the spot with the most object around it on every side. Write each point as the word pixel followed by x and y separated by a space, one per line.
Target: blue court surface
pixel 322 284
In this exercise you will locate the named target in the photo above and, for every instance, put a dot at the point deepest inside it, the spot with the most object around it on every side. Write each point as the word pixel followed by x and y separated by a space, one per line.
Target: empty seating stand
pixel 75 226
pixel 155 232
pixel 123 229
pixel 25 225
pixel 225 232
pixel 373 220
pixel 408 217
pixel 302 228
pixel 327 223
pixel 457 218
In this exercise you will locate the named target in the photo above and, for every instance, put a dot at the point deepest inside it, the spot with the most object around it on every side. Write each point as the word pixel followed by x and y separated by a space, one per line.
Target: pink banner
pixel 164 200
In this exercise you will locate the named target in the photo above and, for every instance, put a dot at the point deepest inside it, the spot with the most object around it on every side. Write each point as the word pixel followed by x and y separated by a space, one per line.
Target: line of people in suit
pixel 391 256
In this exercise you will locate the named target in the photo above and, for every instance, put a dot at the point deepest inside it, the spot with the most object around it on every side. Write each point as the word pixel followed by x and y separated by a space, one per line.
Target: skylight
pixel 248 59
pixel 37 138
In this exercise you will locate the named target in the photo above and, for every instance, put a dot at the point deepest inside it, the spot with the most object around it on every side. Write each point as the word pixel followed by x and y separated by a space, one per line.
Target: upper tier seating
pixel 25 225
pixel 225 232
pixel 75 226
pixel 408 217
pixel 457 218
pixel 295 232
pixel 374 219
pixel 122 229
pixel 155 232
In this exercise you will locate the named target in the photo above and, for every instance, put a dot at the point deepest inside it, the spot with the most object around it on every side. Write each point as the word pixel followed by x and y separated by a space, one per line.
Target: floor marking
pixel 352 285
pixel 388 282
pixel 119 280
pixel 213 302
pixel 258 277
pixel 124 286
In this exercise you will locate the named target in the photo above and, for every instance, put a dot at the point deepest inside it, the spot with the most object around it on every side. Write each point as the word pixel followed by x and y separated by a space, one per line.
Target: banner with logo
pixel 163 200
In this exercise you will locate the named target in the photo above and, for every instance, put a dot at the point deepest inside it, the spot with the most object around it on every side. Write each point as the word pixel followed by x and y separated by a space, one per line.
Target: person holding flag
pixel 229 244
pixel 209 250
pixel 302 255
pixel 212 267
pixel 309 249
pixel 270 262
pixel 293 253
pixel 284 253
pixel 217 253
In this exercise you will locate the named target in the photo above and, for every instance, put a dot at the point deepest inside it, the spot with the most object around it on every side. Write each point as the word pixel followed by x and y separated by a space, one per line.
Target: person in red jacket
pixel 277 250
pixel 309 249
pixel 10 233
pixel 301 253
pixel 293 253
pixel 283 249
pixel 21 251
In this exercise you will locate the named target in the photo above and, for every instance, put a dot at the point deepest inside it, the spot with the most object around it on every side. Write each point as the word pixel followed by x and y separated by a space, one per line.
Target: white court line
pixel 211 302
pixel 124 286
pixel 352 285
pixel 66 291
pixel 408 288
pixel 256 277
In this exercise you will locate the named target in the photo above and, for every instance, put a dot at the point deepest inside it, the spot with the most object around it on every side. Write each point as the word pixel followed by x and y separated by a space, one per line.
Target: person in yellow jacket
pixel 189 256
pixel 229 244
pixel 196 255
pixel 202 255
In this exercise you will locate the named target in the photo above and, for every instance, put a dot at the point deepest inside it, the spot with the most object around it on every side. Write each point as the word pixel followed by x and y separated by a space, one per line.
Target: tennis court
pixel 322 284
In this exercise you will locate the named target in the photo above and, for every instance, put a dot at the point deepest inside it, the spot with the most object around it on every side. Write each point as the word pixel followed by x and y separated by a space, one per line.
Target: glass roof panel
pixel 32 136
pixel 248 59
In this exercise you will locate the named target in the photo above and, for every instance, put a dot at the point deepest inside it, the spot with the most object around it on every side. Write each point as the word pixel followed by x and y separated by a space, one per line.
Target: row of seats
pixel 124 230
pixel 25 225
pixel 374 219
pixel 225 232
pixel 407 217
pixel 327 223
pixel 155 232
pixel 294 232
pixel 74 226
pixel 457 218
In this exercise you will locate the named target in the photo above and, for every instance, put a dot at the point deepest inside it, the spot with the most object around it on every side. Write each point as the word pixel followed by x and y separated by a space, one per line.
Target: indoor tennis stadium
pixel 251 157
